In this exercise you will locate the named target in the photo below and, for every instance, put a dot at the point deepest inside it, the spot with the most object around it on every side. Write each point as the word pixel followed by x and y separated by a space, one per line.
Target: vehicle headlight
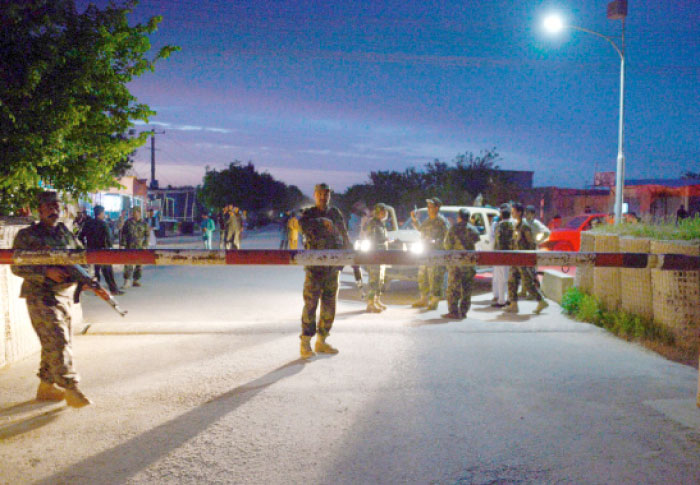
pixel 417 247
pixel 363 245
pixel 540 237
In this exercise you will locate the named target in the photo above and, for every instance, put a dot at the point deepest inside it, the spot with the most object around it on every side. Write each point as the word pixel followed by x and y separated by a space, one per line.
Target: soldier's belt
pixel 341 257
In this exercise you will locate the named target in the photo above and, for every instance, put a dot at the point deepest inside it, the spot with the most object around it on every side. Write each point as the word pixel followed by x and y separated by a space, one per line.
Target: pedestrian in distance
pixel 504 240
pixel 323 227
pixel 134 235
pixel 430 278
pixel 375 232
pixel 96 234
pixel 48 291
pixel 207 225
pixel 232 223
pixel 524 240
pixel 681 214
pixel 284 230
pixel 293 229
pixel 460 279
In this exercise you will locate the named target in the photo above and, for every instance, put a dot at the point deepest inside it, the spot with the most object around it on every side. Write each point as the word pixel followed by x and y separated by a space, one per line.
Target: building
pixel 661 198
pixel 551 201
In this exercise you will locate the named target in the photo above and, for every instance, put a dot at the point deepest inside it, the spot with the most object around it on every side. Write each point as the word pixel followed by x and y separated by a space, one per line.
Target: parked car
pixel 568 236
pixel 407 238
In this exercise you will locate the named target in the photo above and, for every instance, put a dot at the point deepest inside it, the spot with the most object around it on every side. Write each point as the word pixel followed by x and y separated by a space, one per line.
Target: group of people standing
pixel 231 223
pixel 516 229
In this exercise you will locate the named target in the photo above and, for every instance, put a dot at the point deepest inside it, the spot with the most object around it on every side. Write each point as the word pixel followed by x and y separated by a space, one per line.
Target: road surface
pixel 201 383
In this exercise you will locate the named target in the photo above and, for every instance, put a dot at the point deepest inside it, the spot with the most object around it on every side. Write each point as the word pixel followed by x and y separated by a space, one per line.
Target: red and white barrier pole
pixel 348 258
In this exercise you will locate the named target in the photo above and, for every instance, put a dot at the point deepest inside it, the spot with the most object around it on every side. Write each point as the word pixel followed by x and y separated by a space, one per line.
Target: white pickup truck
pixel 407 238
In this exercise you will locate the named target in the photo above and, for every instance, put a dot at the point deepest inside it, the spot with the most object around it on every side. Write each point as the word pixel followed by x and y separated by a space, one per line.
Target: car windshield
pixel 575 223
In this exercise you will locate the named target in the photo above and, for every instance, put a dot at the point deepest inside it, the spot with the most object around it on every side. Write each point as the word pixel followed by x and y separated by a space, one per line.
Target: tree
pixel 691 176
pixel 458 183
pixel 64 103
pixel 243 186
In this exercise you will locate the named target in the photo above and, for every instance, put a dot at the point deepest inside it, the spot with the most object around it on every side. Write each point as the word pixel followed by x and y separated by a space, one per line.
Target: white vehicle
pixel 407 238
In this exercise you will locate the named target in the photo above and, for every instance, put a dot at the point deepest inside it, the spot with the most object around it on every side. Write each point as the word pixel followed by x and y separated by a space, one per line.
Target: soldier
pixel 96 234
pixel 323 227
pixel 49 294
pixel 504 240
pixel 375 231
pixel 524 240
pixel 463 237
pixel 134 236
pixel 541 233
pixel 232 223
pixel 433 231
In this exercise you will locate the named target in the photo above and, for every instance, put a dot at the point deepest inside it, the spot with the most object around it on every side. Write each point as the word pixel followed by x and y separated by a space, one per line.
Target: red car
pixel 568 236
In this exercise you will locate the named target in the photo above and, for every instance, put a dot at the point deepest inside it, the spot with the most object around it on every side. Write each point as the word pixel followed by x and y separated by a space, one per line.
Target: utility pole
pixel 154 182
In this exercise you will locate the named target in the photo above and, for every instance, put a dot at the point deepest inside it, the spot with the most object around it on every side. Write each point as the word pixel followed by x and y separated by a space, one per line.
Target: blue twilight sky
pixel 330 90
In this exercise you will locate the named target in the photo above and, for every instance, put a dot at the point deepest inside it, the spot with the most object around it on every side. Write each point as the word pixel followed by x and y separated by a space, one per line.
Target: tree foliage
pixel 457 183
pixel 241 185
pixel 64 102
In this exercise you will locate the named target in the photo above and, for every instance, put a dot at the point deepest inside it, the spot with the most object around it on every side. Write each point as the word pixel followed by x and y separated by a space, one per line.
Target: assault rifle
pixel 80 275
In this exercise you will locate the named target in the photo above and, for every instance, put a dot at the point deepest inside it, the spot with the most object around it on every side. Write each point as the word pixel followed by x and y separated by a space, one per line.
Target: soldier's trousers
pixel 528 277
pixel 321 283
pixel 460 280
pixel 430 280
pixel 108 273
pixel 51 319
pixel 130 270
pixel 375 280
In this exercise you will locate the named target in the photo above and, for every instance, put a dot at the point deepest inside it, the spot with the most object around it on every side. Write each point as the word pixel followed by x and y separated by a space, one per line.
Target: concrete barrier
pixel 635 292
pixel 584 274
pixel 555 283
pixel 606 281
pixel 676 294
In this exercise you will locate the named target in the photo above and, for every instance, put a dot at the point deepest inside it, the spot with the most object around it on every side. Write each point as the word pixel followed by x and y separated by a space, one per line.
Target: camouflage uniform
pixel 134 235
pixel 462 236
pixel 321 281
pixel 375 231
pixel 430 278
pixel 49 303
pixel 524 240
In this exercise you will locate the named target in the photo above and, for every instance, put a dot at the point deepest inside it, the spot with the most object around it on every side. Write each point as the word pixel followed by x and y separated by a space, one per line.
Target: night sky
pixel 331 90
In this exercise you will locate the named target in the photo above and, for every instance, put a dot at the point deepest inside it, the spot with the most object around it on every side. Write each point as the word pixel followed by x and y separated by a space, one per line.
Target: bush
pixel 587 308
pixel 686 229
pixel 571 300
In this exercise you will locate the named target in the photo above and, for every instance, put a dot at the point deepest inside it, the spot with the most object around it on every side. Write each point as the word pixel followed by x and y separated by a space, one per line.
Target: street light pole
pixel 554 24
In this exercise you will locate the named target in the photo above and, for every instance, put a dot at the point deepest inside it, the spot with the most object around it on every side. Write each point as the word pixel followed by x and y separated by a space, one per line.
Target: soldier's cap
pixel 47 197
pixel 505 207
pixel 379 206
pixel 463 214
pixel 435 201
pixel 321 187
pixel 530 208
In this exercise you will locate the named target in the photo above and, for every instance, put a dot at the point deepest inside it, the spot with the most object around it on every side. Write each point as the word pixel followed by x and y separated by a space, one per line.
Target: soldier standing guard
pixel 504 240
pixel 524 240
pixel 323 227
pixel 462 236
pixel 134 236
pixel 375 231
pixel 49 295
pixel 433 231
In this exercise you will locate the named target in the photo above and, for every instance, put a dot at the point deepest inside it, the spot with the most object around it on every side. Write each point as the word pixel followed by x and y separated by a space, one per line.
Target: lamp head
pixel 553 23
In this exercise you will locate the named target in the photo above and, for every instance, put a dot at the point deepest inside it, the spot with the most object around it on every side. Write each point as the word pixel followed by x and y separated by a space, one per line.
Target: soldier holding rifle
pixel 48 291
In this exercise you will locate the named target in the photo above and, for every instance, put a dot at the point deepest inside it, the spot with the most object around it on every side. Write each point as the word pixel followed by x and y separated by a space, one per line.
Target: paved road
pixel 201 384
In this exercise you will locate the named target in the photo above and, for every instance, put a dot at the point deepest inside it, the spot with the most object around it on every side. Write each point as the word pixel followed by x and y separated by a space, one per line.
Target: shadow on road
pixel 28 415
pixel 125 460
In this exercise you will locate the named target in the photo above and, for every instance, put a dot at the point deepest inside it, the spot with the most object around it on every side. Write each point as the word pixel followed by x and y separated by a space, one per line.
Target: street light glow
pixel 553 24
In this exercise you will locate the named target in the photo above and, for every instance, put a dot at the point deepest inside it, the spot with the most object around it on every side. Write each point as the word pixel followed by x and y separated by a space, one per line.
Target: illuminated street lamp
pixel 617 10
